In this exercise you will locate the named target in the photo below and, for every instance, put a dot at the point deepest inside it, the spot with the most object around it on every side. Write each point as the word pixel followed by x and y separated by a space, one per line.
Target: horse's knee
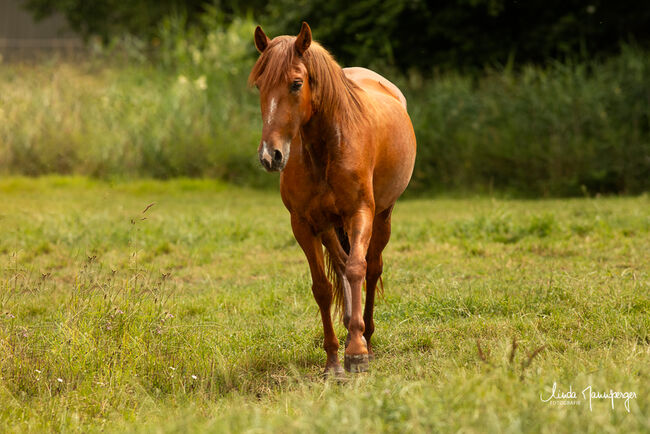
pixel 355 270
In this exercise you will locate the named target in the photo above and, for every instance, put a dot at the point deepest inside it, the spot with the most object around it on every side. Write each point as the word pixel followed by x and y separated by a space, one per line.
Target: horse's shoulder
pixel 371 81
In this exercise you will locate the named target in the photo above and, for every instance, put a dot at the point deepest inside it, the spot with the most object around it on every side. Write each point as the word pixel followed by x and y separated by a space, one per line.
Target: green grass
pixel 197 315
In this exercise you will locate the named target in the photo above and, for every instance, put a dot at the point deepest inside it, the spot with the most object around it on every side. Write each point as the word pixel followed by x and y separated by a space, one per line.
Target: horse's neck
pixel 321 140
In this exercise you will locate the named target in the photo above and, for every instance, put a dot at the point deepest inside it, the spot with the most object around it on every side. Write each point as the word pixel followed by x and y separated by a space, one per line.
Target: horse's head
pixel 285 93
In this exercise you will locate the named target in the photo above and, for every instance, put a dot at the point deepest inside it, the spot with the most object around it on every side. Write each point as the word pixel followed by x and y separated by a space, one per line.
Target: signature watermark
pixel 570 397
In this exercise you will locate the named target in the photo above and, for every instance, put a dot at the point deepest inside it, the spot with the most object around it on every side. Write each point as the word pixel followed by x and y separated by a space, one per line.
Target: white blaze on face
pixel 266 155
pixel 272 108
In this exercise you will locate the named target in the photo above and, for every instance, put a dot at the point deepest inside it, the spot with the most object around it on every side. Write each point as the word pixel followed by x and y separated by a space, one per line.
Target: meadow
pixel 185 306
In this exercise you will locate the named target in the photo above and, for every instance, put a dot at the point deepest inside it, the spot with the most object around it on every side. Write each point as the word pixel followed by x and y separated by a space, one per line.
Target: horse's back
pixel 370 80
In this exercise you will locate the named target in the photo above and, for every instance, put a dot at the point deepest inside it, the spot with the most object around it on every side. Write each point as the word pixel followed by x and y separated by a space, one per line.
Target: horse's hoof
pixel 334 372
pixel 356 363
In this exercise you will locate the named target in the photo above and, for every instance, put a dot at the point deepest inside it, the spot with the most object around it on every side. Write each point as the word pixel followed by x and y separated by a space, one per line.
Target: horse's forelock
pixel 274 64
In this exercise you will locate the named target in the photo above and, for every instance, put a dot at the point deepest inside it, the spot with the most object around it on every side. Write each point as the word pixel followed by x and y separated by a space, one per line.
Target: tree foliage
pixel 142 18
pixel 404 33
pixel 462 33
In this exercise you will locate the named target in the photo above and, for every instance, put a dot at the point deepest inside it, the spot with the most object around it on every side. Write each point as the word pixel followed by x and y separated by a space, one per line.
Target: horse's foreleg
pixel 359 229
pixel 321 288
pixel 380 237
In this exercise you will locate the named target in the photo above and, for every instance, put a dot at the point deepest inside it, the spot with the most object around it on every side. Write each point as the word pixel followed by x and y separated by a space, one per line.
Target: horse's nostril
pixel 277 156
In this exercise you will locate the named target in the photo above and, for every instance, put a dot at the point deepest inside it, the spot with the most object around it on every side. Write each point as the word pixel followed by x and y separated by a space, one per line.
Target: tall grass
pixel 106 117
pixel 558 130
pixel 564 129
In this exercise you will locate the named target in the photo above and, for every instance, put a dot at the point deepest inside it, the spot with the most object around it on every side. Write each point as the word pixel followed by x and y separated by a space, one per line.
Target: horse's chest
pixel 313 202
pixel 310 196
pixel 321 212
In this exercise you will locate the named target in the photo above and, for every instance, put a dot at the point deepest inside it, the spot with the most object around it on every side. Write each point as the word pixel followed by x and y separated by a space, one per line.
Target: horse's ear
pixel 304 38
pixel 261 40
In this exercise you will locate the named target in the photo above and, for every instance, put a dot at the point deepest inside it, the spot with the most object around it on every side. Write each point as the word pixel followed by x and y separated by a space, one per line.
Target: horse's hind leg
pixel 321 288
pixel 380 237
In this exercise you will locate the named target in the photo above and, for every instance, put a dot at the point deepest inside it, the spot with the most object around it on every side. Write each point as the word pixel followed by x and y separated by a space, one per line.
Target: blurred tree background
pixel 448 34
pixel 524 97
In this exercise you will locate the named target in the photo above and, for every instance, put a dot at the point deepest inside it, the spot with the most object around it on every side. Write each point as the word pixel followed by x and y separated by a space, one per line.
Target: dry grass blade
pixel 147 207
pixel 513 350
pixel 481 354
pixel 526 363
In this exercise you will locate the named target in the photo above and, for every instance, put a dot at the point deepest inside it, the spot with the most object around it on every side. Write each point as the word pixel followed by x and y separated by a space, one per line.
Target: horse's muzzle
pixel 273 161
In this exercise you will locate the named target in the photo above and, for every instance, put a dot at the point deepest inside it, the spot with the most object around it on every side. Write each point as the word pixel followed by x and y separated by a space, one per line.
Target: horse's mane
pixel 334 95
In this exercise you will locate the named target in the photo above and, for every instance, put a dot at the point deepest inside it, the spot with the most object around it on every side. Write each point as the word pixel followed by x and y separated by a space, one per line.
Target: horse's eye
pixel 296 85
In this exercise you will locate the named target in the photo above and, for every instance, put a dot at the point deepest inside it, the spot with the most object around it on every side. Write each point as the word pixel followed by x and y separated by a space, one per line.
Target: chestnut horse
pixel 344 143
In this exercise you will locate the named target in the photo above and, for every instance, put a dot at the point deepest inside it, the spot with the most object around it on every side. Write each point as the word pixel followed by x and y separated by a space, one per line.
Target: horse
pixel 345 146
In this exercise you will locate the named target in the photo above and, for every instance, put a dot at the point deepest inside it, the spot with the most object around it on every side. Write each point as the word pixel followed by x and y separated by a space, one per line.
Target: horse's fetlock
pixel 331 347
pixel 369 327
pixel 357 325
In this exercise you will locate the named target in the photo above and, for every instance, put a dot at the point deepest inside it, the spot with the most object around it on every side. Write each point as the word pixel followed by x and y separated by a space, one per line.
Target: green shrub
pixel 567 129
pixel 561 130
pixel 187 114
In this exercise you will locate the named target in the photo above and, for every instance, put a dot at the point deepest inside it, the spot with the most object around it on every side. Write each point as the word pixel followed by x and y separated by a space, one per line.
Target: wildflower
pixel 194 377
pixel 37 371
pixel 60 380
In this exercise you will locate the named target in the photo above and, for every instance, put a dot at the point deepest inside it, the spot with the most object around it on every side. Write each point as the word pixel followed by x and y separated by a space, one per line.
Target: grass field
pixel 197 314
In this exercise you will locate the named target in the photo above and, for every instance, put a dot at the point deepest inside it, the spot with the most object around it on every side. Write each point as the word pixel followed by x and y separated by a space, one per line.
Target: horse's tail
pixel 337 285
pixel 333 274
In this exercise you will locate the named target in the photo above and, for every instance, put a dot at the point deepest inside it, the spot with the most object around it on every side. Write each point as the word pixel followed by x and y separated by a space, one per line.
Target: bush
pixel 189 114
pixel 560 130
pixel 565 129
